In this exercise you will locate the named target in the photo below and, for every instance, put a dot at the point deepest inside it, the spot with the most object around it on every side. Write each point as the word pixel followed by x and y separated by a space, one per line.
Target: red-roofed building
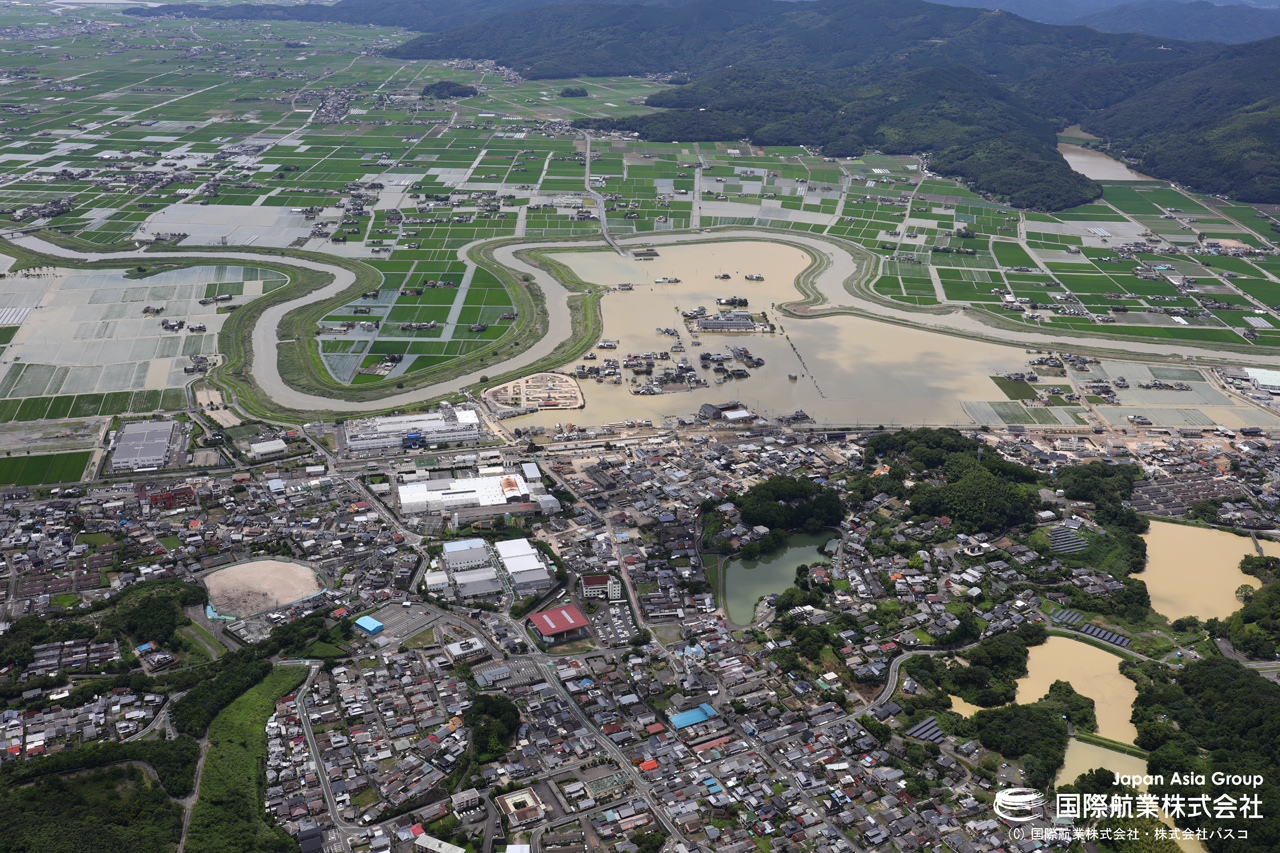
pixel 559 624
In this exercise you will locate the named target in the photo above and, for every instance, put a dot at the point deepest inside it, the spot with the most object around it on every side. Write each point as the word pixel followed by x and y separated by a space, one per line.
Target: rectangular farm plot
pixel 38 470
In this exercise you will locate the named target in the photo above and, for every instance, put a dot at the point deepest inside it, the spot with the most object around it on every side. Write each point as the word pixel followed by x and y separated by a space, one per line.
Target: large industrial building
pixel 475 498
pixel 465 554
pixel 559 624
pixel 1265 380
pixel 524 565
pixel 477 583
pixel 141 445
pixel 446 425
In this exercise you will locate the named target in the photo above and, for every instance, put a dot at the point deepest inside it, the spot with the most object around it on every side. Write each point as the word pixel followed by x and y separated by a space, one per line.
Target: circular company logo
pixel 1019 804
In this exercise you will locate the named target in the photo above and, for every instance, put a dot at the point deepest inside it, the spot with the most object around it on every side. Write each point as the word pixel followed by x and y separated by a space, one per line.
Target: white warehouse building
pixel 524 565
pixel 448 424
pixel 464 554
pixel 444 496
pixel 1265 380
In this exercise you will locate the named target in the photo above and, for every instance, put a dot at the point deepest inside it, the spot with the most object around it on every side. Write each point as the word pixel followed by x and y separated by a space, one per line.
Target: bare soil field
pixel 249 588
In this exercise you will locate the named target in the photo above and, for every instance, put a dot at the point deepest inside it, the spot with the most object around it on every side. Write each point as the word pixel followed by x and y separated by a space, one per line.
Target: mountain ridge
pixel 878 38
pixel 1235 24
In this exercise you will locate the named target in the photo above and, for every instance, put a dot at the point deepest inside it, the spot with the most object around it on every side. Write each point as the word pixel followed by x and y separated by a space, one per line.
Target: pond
pixel 1092 672
pixel 1096 165
pixel 747 581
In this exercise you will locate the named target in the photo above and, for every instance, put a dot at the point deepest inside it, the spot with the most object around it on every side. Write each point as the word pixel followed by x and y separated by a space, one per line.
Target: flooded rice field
pixel 1193 571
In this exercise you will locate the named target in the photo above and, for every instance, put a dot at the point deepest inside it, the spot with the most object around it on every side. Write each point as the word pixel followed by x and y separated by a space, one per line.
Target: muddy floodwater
pixel 1092 672
pixel 1083 757
pixel 1096 165
pixel 964 708
pixel 1192 571
pixel 848 370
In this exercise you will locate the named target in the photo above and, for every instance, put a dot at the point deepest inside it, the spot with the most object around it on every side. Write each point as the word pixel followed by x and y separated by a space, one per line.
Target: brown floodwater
pixel 849 370
pixel 1096 165
pixel 1092 672
pixel 962 707
pixel 1083 757
pixel 1193 571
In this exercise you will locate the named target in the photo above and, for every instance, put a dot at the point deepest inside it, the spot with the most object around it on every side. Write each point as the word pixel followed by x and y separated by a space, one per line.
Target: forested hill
pixel 876 38
pixel 1212 123
pixel 417 15
pixel 974 127
pixel 1198 20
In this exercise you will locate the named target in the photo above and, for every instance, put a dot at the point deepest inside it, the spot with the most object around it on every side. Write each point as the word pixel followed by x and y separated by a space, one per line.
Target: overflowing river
pixel 1192 571
pixel 848 370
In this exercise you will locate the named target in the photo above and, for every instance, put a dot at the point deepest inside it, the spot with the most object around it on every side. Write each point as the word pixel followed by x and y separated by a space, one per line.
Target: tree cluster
pixel 494 721
pixel 1216 717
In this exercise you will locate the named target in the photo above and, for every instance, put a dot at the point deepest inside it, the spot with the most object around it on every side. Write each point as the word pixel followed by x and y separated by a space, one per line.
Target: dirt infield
pixel 253 587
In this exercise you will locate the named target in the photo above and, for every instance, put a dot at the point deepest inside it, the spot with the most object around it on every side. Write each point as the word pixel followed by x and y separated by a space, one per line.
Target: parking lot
pixel 399 623
pixel 613 623
pixel 522 672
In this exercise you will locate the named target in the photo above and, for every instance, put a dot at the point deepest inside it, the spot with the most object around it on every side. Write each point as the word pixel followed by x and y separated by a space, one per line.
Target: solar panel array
pixel 1070 618
pixel 1105 635
pixel 927 730
pixel 1065 541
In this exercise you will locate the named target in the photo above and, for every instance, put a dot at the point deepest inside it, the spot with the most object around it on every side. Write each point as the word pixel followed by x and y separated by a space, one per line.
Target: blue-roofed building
pixel 684 719
pixel 369 625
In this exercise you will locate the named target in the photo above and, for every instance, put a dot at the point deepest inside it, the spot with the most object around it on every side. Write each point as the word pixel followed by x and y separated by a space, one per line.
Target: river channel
pixel 747 581
pixel 1096 165
pixel 1193 571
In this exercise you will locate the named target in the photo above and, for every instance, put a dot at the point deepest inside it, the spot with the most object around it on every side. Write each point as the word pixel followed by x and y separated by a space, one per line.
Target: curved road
pixel 829 282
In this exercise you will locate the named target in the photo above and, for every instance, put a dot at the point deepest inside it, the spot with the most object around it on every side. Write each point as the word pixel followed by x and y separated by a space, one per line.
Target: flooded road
pixel 1092 672
pixel 1193 571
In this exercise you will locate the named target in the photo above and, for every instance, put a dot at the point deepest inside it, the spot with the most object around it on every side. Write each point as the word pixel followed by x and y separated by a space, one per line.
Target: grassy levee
pixel 1113 745
pixel 228 816
pixel 301 366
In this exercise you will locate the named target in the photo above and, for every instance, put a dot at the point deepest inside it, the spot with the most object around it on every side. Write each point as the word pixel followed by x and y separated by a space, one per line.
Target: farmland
pixel 36 470
pixel 297 139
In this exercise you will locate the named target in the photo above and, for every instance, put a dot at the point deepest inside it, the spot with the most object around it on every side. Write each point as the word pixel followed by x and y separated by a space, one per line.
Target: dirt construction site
pixel 248 588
